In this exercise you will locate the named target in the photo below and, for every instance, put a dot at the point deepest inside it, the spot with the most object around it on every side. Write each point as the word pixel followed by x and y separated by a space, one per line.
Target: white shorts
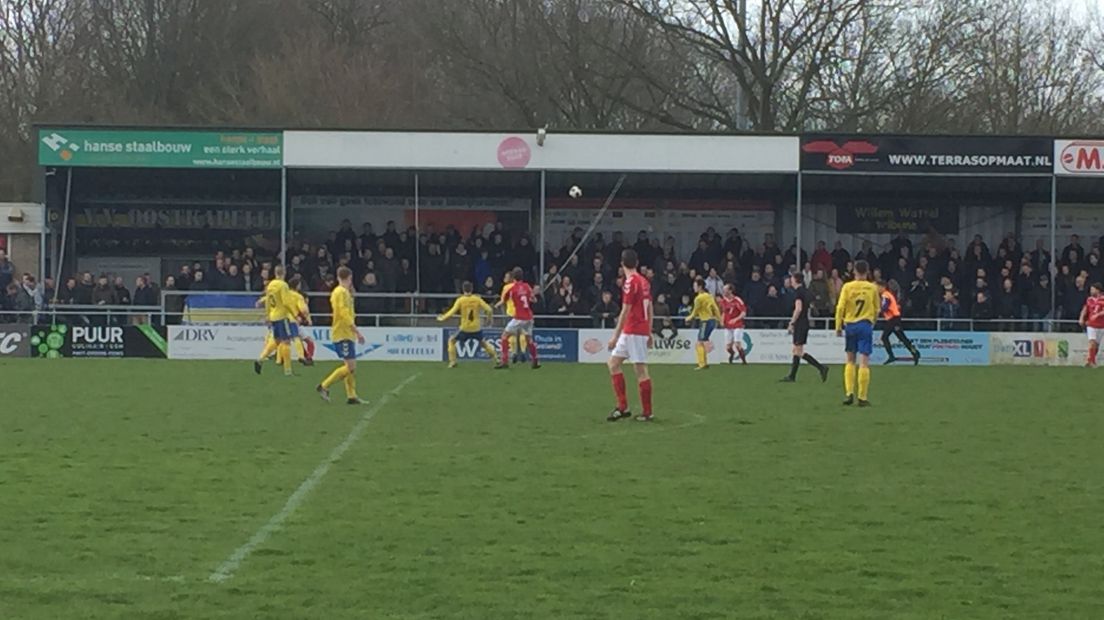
pixel 515 327
pixel 1095 334
pixel 734 335
pixel 632 347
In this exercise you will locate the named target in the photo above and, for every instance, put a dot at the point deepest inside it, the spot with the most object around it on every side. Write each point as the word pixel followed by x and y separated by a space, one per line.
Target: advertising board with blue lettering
pixel 939 348
pixel 553 345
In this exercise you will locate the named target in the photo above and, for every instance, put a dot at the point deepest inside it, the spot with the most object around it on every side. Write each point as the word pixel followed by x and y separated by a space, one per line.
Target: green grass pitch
pixel 964 493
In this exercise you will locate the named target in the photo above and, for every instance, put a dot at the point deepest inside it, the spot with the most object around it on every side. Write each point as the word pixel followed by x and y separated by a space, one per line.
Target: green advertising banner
pixel 159 149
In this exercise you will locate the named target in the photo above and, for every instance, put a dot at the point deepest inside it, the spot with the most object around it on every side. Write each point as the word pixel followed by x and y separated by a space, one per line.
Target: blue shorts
pixel 705 329
pixel 294 331
pixel 462 337
pixel 345 349
pixel 859 337
pixel 281 330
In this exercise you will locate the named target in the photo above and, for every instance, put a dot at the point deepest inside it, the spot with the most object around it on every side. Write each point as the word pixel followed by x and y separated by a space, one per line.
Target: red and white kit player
pixel 733 312
pixel 631 340
pixel 522 323
pixel 1092 319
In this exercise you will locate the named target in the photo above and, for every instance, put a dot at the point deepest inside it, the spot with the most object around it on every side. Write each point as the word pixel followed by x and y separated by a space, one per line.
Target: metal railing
pixel 420 310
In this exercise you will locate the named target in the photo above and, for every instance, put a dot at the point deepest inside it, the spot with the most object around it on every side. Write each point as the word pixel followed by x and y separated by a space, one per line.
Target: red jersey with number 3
pixel 1095 312
pixel 633 293
pixel 731 309
pixel 522 297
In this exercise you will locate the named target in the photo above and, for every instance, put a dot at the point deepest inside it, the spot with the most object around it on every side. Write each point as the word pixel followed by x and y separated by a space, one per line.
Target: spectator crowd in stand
pixel 1001 287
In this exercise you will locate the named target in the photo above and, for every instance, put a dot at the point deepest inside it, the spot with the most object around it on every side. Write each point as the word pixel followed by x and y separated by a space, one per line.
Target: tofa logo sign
pixel 61 145
pixel 841 157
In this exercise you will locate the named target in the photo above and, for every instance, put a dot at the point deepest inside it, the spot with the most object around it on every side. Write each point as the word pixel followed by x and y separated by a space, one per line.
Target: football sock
pixel 269 349
pixel 794 363
pixel 1093 350
pixel 812 361
pixel 521 343
pixel 452 351
pixel 849 379
pixel 309 344
pixel 619 391
pixel 283 351
pixel 731 354
pixel 299 349
pixel 489 349
pixel 532 347
pixel 337 375
pixel 350 385
pixel 645 387
pixel 864 382
pixel 700 349
pixel 505 349
pixel 742 354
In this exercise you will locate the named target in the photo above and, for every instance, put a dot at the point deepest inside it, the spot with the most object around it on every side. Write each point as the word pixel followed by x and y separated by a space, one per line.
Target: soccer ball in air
pixel 575 191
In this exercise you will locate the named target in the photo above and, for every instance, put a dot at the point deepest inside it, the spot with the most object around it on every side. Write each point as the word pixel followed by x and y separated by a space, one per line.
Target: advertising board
pixel 244 342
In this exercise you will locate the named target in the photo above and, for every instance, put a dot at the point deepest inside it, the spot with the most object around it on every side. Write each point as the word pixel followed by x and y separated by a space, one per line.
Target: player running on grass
pixel 281 309
pixel 471 309
pixel 1092 319
pixel 631 340
pixel 856 313
pixel 522 323
pixel 706 313
pixel 345 336
pixel 518 344
pixel 733 313
pixel 891 312
pixel 799 327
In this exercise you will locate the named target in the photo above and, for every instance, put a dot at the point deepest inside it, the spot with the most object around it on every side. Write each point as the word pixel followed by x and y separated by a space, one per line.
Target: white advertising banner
pixel 1039 349
pixel 244 342
pixel 1079 157
pixel 763 346
pixel 560 151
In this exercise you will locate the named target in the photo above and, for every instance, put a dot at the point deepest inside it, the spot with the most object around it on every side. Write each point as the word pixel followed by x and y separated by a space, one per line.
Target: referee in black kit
pixel 799 327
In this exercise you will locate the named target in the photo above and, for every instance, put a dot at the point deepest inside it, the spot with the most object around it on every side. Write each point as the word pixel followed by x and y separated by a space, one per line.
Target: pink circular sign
pixel 513 152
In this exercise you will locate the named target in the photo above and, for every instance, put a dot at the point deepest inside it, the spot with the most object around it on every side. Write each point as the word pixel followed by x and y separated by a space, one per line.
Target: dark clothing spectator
pixel 145 295
pixel 122 295
pixel 982 312
pixel 103 295
pixel 840 258
pixel 82 295
pixel 7 271
pixel 605 313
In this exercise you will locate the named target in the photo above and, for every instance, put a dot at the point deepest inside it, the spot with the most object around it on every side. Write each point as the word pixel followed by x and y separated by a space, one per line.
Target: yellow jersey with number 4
pixel 470 308
pixel 858 301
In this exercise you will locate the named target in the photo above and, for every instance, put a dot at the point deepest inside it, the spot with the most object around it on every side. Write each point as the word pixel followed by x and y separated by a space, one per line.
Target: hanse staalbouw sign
pixel 61 146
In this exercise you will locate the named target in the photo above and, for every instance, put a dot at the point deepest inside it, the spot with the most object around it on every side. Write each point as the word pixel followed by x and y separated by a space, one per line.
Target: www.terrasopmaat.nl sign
pixel 159 149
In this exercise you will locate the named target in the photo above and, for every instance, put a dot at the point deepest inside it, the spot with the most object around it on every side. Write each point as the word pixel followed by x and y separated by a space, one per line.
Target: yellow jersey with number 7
pixel 858 301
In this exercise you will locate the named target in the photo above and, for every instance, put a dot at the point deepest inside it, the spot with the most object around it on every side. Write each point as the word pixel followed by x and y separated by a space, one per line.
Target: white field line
pixel 230 566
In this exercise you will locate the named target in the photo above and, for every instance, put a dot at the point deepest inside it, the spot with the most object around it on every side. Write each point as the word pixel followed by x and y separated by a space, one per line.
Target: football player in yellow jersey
pixel 706 312
pixel 343 332
pixel 518 343
pixel 471 309
pixel 856 313
pixel 303 344
pixel 281 309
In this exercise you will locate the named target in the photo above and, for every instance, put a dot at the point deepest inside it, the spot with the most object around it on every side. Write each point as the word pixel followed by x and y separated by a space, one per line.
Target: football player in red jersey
pixel 733 313
pixel 522 324
pixel 631 340
pixel 1092 319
